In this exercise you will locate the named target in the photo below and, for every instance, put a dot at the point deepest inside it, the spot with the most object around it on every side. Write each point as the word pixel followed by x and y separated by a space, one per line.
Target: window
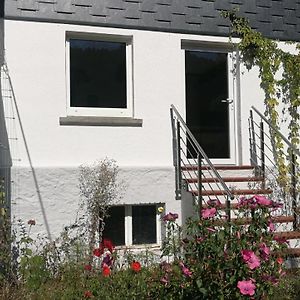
pixel 115 225
pixel 133 225
pixel 99 76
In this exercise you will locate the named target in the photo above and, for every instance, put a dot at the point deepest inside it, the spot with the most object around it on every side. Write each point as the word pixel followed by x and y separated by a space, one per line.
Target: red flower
pixel 88 268
pixel 106 244
pixel 280 260
pixel 136 266
pixel 88 294
pixel 97 252
pixel 105 271
pixel 31 222
pixel 170 217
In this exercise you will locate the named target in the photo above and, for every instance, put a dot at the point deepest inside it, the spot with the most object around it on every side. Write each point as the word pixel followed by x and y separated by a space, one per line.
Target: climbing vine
pixel 279 73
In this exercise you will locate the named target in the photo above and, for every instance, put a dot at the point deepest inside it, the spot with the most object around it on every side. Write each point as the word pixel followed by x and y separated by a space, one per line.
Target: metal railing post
pixel 252 142
pixel 294 190
pixel 176 154
pixel 178 160
pixel 199 158
pixel 174 142
pixel 262 154
pixel 228 209
pixel 180 150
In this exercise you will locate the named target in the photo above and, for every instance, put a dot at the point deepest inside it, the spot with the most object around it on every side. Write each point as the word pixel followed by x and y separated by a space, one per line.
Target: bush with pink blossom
pixel 237 259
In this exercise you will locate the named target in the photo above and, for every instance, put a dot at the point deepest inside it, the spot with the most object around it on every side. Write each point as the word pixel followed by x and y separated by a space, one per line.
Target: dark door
pixel 207 113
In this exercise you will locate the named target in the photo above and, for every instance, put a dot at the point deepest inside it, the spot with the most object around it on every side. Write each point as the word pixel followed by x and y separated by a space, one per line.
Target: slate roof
pixel 279 19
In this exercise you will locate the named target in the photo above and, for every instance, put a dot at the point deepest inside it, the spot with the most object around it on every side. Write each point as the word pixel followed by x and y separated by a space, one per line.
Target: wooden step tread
pixel 234 192
pixel 226 179
pixel 291 252
pixel 218 167
pixel 289 235
pixel 222 206
pixel 247 221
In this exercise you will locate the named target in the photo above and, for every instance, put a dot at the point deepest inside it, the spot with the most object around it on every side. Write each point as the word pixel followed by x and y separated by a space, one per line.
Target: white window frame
pixel 102 112
pixel 128 225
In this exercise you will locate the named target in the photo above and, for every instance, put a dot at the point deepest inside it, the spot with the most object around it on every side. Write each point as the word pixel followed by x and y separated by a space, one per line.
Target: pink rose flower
pixel 186 272
pixel 263 201
pixel 211 229
pixel 208 213
pixel 251 259
pixel 264 251
pixel 271 279
pixel 271 226
pixel 247 287
pixel 165 280
pixel 245 202
pixel 280 240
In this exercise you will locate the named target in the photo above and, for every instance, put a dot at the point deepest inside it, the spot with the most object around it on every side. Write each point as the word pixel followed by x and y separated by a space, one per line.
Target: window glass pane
pixel 97 74
pixel 144 224
pixel 115 225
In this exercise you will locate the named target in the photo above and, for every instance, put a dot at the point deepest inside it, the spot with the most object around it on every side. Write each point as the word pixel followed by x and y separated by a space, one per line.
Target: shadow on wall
pixel 5 158
pixel 5 153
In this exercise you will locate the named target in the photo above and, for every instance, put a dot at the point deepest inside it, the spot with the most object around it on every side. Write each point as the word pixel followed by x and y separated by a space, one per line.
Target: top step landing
pixel 218 167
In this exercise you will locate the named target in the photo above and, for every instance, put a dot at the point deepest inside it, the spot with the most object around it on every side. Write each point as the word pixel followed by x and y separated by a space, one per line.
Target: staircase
pixel 227 183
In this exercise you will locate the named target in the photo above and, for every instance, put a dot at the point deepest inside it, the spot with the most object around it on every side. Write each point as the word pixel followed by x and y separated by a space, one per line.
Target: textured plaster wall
pixel 54 198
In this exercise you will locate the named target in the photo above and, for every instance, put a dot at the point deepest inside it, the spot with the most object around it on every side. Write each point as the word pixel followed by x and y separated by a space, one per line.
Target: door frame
pixel 232 62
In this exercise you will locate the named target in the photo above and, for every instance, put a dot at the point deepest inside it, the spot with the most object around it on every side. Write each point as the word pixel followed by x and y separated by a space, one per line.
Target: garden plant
pixel 209 258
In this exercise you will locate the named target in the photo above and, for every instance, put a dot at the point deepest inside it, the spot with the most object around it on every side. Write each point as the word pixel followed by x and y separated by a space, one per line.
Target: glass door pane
pixel 206 75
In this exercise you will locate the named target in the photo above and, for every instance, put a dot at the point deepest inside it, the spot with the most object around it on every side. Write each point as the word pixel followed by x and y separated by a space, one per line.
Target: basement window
pixel 133 225
pixel 99 76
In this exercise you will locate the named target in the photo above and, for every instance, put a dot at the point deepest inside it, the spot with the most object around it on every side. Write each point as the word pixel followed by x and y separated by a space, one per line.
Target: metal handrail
pixel 289 189
pixel 277 131
pixel 202 152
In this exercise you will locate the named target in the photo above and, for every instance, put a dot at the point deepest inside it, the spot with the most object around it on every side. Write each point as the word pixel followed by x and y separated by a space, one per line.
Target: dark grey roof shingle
pixel 274 18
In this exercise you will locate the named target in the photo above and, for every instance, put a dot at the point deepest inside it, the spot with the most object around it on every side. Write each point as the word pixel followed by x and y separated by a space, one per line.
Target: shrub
pixel 226 260
pixel 100 187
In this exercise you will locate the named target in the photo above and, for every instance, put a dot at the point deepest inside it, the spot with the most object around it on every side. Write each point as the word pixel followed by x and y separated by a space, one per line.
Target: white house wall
pixel 36 58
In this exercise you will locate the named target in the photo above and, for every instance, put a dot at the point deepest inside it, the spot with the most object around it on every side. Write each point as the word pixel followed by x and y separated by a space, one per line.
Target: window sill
pixel 152 247
pixel 100 121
